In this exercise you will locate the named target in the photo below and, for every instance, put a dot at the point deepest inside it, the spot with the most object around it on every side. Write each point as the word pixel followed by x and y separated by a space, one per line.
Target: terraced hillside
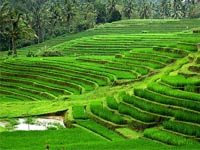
pixel 131 33
pixel 129 84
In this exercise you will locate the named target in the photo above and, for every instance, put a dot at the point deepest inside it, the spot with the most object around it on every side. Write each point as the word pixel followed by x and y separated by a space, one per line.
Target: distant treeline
pixel 26 22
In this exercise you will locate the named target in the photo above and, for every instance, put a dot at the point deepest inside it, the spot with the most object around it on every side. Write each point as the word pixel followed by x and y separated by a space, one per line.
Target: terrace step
pixel 94 133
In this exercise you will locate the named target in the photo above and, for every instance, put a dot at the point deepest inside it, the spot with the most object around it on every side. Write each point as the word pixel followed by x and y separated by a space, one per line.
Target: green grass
pixel 166 137
pixel 161 98
pixel 183 127
pixel 99 129
pixel 112 102
pixel 147 105
pixel 106 114
pixel 119 52
pixel 173 92
pixel 179 80
pixel 135 113
pixel 40 139
pixel 79 112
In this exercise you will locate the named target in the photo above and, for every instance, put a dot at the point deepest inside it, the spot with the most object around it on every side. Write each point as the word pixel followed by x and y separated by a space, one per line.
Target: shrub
pixel 51 53
pixel 31 54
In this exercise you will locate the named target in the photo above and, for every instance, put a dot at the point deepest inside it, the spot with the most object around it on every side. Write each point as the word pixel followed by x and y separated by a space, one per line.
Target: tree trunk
pixel 14 46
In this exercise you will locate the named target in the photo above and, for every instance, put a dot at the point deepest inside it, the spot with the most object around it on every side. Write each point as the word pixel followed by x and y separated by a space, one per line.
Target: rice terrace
pixel 100 75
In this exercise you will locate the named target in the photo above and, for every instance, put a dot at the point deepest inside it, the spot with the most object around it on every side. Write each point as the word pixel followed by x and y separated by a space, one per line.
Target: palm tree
pixel 165 8
pixel 19 29
pixel 177 11
pixel 128 8
pixel 69 13
pixel 13 26
pixel 111 6
pixel 145 9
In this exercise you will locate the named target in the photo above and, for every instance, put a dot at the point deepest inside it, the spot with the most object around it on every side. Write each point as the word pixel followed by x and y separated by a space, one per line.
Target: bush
pixel 51 53
pixel 31 54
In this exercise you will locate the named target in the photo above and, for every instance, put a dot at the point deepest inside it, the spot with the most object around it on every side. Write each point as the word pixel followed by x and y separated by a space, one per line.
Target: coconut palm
pixel 69 12
pixel 177 11
pixel 128 8
pixel 165 8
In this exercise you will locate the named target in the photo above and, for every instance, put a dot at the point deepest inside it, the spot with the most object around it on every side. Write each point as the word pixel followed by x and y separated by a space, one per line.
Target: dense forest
pixel 26 22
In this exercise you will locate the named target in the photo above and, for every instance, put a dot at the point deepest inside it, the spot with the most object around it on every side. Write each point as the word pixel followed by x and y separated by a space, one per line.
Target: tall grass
pixel 157 97
pixel 172 92
pixel 111 102
pixel 181 127
pixel 138 115
pixel 79 112
pixel 147 105
pixel 167 137
pixel 178 113
pixel 104 113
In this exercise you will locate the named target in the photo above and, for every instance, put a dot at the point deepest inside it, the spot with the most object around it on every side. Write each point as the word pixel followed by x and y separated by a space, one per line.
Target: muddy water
pixel 3 124
pixel 40 124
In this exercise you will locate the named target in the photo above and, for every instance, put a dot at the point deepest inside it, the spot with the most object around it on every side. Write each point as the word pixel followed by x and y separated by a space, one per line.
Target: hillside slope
pixel 135 79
